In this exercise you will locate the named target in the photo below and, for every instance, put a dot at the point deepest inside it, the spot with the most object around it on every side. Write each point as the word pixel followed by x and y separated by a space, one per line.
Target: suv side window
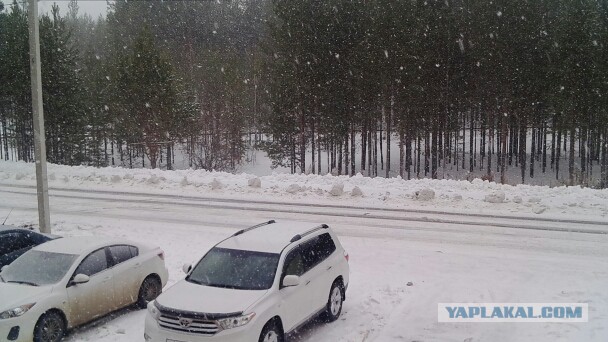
pixel 325 246
pixel 93 263
pixel 294 264
pixel 317 250
pixel 120 254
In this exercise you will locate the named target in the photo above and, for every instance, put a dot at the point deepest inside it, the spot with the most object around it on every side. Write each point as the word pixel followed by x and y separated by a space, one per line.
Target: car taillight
pixel 161 255
pixel 346 256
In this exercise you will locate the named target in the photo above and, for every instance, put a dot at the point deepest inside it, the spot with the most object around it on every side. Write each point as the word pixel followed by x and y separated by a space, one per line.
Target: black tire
pixel 334 302
pixel 149 290
pixel 49 328
pixel 272 333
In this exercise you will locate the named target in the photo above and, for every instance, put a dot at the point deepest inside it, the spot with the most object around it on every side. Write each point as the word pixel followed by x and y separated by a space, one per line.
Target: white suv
pixel 257 285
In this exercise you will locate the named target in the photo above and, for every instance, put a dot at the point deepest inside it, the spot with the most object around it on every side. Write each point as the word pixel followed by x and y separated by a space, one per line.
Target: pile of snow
pixel 424 195
pixel 476 196
pixel 337 189
pixel 495 197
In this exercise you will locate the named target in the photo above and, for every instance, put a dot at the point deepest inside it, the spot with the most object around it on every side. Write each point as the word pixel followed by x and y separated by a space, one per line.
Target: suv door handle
pixel 329 268
pixel 307 282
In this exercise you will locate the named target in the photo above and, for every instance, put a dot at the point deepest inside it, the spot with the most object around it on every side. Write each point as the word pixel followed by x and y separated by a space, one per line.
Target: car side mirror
pixel 291 280
pixel 187 268
pixel 80 279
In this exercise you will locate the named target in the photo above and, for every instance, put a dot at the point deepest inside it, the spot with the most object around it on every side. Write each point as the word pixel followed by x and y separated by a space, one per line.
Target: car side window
pixel 316 250
pixel 120 254
pixel 94 263
pixel 14 241
pixel 325 246
pixel 8 243
pixel 134 251
pixel 294 265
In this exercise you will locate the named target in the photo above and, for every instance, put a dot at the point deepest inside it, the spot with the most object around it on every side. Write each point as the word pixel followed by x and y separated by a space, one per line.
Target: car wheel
pixel 49 328
pixel 149 290
pixel 271 333
pixel 334 303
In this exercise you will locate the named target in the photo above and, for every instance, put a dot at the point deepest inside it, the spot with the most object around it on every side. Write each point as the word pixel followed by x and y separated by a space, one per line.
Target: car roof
pixel 269 238
pixel 4 227
pixel 80 244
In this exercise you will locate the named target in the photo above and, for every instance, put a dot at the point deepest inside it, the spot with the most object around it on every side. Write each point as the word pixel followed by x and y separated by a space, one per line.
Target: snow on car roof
pixel 78 244
pixel 271 238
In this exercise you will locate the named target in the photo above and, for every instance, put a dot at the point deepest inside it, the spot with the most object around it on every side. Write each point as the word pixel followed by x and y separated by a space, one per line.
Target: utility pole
pixel 38 112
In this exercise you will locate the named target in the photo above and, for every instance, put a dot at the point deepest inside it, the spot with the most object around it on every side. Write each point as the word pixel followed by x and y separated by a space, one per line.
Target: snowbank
pixel 449 195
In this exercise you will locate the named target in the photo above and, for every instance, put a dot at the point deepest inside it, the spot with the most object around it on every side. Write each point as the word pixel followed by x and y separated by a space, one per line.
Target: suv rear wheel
pixel 334 303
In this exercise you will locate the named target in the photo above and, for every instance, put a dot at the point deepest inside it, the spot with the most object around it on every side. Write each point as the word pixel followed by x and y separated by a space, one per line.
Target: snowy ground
pixel 448 256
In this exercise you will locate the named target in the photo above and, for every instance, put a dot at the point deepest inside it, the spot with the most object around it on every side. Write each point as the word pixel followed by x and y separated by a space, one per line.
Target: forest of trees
pixel 471 85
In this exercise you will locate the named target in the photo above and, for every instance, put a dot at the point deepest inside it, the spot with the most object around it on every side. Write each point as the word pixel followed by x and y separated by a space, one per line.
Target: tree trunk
pixel 522 149
pixel 401 153
pixel 312 142
pixel 389 122
pixel 352 149
pixel 503 153
pixel 558 153
pixel 363 147
pixel 533 152
pixel 572 154
pixel 346 155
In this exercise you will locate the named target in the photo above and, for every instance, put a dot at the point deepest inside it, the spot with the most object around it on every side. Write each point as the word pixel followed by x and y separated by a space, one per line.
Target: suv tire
pixel 271 333
pixel 334 303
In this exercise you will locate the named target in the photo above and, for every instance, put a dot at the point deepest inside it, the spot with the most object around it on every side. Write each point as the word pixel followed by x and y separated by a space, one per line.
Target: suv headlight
pixel 235 322
pixel 16 312
pixel 153 310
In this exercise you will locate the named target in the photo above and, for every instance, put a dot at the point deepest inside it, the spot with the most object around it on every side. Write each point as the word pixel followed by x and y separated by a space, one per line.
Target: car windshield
pixel 38 268
pixel 236 269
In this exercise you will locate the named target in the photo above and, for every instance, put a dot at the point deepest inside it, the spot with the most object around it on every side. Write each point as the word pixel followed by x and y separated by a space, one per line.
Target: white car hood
pixel 14 295
pixel 186 296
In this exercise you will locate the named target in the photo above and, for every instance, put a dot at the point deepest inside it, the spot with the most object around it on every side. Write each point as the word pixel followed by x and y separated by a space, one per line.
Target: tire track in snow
pixel 593 227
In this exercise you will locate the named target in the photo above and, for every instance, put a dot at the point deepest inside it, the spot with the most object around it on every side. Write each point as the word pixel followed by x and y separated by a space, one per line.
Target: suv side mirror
pixel 80 279
pixel 187 268
pixel 291 280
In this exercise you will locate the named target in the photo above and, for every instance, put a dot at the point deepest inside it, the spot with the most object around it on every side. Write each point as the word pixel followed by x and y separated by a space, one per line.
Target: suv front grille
pixel 189 325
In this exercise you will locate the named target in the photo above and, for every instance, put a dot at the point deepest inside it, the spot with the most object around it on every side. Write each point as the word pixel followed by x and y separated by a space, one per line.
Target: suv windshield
pixel 38 268
pixel 236 269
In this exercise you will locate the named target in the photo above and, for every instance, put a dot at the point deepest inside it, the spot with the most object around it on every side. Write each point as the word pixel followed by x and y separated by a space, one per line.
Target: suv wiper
pixel 188 279
pixel 23 282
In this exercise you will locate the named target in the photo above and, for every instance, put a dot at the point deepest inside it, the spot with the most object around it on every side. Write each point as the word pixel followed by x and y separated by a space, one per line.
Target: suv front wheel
pixel 271 333
pixel 334 303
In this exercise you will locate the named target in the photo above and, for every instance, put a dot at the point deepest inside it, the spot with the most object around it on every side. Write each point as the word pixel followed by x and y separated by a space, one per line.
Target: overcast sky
pixel 92 7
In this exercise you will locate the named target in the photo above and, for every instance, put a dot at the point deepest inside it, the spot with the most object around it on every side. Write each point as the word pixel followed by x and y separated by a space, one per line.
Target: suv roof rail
pixel 300 236
pixel 254 227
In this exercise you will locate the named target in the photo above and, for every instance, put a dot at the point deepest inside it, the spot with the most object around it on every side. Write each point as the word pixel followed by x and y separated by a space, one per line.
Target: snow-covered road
pixel 447 257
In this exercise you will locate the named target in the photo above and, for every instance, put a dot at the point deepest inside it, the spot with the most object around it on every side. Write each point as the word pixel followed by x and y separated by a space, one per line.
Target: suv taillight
pixel 346 256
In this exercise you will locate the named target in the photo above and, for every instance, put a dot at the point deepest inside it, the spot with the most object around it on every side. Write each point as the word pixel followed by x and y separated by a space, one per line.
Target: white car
pixel 70 281
pixel 257 285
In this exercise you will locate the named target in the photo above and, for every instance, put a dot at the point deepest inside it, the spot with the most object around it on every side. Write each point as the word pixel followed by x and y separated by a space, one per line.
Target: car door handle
pixel 138 264
pixel 106 279
pixel 307 282
pixel 329 268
